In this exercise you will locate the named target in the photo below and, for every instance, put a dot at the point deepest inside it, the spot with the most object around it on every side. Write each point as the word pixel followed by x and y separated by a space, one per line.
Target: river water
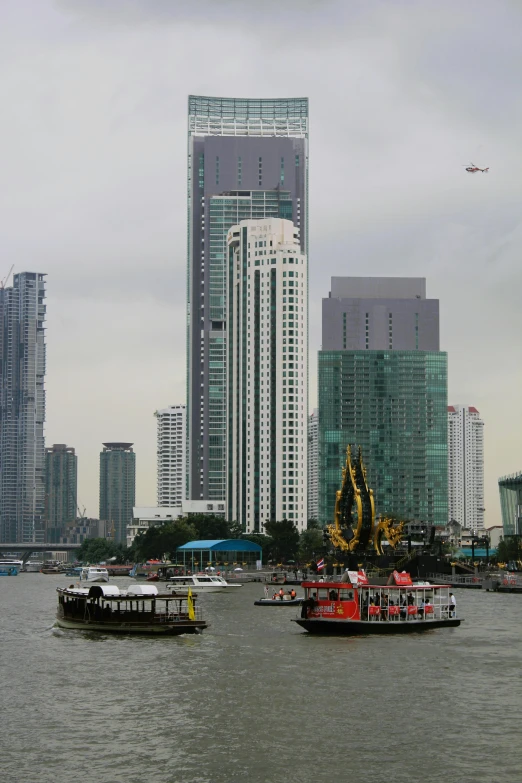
pixel 254 698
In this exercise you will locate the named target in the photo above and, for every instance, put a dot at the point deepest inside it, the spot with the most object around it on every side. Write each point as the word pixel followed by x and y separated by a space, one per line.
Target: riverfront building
pixel 61 475
pixel 383 386
pixel 247 159
pixel 22 409
pixel 466 467
pixel 313 464
pixel 117 487
pixel 172 455
pixel 144 517
pixel 267 359
pixel 510 488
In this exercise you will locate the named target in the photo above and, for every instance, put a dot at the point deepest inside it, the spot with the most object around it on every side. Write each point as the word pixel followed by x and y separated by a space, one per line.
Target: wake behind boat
pixel 203 583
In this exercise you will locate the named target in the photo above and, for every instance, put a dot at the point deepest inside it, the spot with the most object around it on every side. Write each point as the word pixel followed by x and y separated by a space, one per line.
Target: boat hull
pixel 144 629
pixel 363 628
pixel 271 602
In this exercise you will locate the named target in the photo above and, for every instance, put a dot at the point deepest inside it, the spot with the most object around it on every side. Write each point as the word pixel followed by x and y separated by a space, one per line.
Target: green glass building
pixel 394 405
pixel 117 487
pixel 61 476
pixel 510 488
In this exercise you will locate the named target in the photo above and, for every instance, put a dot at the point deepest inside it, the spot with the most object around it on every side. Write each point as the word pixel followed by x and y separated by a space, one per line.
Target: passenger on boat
pixel 292 594
pixel 281 593
pixel 411 599
pixel 266 591
pixel 420 610
pixel 384 608
pixel 452 605
pixel 332 595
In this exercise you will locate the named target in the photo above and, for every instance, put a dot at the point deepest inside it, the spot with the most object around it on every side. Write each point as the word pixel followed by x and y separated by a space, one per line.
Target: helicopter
pixel 473 169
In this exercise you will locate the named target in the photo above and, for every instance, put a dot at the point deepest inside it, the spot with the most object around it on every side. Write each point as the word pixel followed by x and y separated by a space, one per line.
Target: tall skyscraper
pixel 383 386
pixel 247 159
pixel 172 455
pixel 466 467
pixel 313 464
pixel 61 475
pixel 267 360
pixel 22 409
pixel 117 487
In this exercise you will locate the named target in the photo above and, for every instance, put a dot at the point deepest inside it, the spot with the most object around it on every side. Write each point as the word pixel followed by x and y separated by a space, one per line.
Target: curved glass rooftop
pixel 248 116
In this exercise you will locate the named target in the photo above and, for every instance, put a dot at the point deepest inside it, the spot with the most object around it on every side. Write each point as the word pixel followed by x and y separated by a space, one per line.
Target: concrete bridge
pixel 26 550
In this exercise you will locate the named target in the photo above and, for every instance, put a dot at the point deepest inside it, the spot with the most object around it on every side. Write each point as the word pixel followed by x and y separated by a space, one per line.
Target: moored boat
pixel 10 567
pixel 203 583
pixel 353 606
pixel 140 609
pixel 94 574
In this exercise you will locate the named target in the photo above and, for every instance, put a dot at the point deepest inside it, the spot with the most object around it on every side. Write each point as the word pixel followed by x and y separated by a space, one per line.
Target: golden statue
pixel 351 534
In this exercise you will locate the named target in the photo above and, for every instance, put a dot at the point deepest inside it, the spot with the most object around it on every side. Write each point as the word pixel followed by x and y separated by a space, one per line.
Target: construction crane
pixel 3 282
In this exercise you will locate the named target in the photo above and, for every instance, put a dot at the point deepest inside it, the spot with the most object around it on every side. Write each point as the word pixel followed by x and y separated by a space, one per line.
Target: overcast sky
pixel 93 160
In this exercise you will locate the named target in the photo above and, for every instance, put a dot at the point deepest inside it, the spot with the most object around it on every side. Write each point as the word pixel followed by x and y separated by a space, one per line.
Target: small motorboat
pixel 153 577
pixel 285 601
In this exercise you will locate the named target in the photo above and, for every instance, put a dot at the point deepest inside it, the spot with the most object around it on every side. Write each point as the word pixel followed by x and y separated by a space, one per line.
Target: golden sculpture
pixel 351 534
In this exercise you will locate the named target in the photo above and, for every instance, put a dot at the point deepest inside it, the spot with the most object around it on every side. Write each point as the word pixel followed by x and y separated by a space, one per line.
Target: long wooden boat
pixel 353 606
pixel 140 609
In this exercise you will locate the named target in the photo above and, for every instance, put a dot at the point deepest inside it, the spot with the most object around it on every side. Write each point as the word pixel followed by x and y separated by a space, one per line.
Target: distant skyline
pixel 93 158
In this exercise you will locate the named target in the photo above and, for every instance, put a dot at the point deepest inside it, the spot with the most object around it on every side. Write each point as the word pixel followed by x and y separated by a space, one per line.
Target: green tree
pixel 285 540
pixel 209 526
pixel 313 524
pixel 509 550
pixel 310 543
pixel 163 540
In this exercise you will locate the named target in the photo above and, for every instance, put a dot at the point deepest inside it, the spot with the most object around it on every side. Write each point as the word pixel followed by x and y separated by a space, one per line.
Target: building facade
pixel 144 517
pixel 510 489
pixel 267 360
pixel 380 313
pixel 22 409
pixel 172 455
pixel 313 464
pixel 466 467
pixel 247 159
pixel 117 487
pixel 384 396
pixel 61 477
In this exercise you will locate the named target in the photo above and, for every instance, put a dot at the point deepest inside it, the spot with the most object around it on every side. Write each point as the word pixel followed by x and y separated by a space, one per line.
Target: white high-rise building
pixel 267 363
pixel 172 455
pixel 466 467
pixel 313 464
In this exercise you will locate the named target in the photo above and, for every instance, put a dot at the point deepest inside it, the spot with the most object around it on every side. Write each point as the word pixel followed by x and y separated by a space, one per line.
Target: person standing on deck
pixel 452 605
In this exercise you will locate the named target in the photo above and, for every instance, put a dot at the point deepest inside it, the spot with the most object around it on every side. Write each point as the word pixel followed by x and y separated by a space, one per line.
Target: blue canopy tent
pixel 227 552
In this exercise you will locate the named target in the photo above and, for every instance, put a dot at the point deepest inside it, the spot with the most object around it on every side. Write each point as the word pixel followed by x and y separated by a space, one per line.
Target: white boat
pixel 202 583
pixel 33 566
pixel 94 574
pixel 10 567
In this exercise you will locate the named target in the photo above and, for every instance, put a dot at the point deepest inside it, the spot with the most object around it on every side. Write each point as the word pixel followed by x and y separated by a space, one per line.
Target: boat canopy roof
pixel 142 590
pixel 106 590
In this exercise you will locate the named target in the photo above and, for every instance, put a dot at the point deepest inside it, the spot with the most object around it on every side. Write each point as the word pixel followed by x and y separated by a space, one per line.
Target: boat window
pixel 204 579
pixel 322 594
pixel 333 595
pixel 346 595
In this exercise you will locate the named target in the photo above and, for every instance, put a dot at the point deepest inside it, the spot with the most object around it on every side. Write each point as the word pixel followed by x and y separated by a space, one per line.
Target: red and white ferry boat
pixel 353 606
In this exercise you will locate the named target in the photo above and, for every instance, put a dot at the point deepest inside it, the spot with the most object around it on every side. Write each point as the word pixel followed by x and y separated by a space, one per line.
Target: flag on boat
pixel 190 605
pixel 320 564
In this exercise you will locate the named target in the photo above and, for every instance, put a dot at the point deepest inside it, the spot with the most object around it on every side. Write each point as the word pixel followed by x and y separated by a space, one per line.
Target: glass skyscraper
pixel 247 159
pixel 117 488
pixel 385 397
pixel 510 488
pixel 22 409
